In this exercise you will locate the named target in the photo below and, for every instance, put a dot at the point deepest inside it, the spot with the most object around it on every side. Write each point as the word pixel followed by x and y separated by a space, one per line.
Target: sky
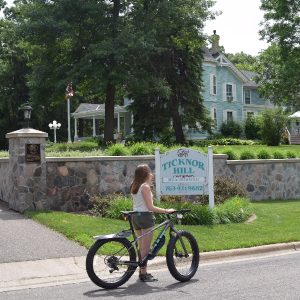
pixel 238 25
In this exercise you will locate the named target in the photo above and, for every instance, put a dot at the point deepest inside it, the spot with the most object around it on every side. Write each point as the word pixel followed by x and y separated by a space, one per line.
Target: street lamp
pixel 54 125
pixel 27 112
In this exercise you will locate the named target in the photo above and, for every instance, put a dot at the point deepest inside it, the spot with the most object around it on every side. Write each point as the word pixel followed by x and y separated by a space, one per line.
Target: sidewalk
pixel 32 255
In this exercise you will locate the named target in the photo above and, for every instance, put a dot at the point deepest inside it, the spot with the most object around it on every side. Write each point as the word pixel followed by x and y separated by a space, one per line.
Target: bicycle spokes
pixel 111 268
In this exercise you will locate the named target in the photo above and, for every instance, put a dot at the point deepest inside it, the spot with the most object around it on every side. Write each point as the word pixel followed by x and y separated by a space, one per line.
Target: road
pixel 270 277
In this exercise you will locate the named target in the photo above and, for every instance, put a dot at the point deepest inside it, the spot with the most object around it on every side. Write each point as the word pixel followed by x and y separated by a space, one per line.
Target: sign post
pixel 184 171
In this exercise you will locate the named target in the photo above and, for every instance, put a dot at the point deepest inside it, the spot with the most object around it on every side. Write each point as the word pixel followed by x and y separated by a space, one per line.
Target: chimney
pixel 214 39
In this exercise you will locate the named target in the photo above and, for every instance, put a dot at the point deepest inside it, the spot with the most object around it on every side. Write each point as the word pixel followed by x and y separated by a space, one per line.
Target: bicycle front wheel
pixel 183 256
pixel 110 263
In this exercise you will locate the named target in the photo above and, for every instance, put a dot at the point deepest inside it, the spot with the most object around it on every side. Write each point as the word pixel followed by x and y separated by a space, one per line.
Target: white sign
pixel 184 171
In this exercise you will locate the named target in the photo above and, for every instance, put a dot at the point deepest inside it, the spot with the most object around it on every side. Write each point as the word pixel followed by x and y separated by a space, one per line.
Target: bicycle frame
pixel 167 224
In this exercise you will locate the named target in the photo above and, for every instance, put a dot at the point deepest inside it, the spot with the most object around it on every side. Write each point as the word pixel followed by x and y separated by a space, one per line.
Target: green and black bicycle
pixel 113 258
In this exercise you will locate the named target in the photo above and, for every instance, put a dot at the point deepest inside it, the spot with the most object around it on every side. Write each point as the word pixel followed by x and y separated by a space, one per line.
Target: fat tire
pixel 170 259
pixel 90 267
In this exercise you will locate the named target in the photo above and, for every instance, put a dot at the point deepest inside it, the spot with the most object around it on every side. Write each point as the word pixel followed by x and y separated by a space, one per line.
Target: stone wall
pixel 71 181
pixel 4 180
pixel 266 179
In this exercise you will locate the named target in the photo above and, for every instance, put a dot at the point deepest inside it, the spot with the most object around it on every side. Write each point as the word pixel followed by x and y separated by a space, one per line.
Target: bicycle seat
pixel 127 212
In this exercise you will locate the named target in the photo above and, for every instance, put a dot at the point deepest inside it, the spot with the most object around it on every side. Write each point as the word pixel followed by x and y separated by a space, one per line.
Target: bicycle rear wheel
pixel 107 262
pixel 183 256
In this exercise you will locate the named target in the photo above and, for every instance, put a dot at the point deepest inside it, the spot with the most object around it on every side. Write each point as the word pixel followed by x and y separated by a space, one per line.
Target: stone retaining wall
pixel 4 185
pixel 70 181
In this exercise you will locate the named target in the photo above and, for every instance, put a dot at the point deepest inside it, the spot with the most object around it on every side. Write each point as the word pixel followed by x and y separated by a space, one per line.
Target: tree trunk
pixel 109 113
pixel 177 124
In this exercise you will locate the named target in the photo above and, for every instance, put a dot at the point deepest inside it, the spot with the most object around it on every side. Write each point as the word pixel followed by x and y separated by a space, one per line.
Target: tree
pixel 242 60
pixel 171 67
pixel 279 66
pixel 83 41
pixel 13 71
pixel 272 124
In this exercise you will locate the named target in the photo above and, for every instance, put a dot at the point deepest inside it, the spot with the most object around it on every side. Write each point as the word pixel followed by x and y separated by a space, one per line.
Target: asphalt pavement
pixel 32 255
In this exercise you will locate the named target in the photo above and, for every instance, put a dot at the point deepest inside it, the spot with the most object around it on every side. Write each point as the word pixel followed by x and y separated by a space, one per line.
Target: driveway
pixel 22 239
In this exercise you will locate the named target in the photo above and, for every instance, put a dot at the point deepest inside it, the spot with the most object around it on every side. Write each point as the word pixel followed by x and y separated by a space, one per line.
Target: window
pixel 213 84
pixel 215 117
pixel 247 96
pixel 229 92
pixel 229 116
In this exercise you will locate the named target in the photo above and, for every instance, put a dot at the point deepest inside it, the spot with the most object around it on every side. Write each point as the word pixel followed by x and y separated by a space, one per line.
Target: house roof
pixel 250 75
pixel 221 59
pixel 88 111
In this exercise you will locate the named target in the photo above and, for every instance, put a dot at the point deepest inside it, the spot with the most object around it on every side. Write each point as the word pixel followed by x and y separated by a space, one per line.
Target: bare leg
pixel 144 245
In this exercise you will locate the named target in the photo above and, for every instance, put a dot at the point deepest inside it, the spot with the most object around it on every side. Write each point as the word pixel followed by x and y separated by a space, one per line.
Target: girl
pixel 143 220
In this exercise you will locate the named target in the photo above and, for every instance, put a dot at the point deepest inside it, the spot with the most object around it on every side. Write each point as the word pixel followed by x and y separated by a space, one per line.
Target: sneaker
pixel 147 278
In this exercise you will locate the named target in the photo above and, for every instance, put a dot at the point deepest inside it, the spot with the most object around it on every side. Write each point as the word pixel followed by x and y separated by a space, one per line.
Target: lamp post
pixel 69 94
pixel 27 112
pixel 54 125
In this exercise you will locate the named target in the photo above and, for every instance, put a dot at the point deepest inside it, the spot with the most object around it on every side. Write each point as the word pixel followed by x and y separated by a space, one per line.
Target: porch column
pixel 94 127
pixel 75 129
pixel 118 122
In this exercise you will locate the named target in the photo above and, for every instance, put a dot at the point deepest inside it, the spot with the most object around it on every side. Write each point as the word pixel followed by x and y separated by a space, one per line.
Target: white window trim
pixel 211 84
pixel 234 99
pixel 212 115
pixel 234 115
pixel 245 96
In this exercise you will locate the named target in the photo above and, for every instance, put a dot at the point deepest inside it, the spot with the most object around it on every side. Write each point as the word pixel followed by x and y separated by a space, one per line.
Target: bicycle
pixel 113 258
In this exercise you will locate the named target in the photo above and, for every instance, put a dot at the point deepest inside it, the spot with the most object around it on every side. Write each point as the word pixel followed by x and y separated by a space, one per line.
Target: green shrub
pixel 77 146
pixel 252 128
pixel 231 129
pixel 247 155
pixel 234 210
pixel 226 188
pixel 120 203
pixel 223 142
pixel 273 123
pixel 200 215
pixel 231 155
pixel 290 154
pixel 100 204
pixel 142 148
pixel 4 154
pixel 278 155
pixel 264 154
pixel 117 150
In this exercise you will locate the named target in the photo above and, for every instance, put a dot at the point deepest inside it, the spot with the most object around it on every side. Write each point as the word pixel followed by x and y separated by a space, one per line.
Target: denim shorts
pixel 143 220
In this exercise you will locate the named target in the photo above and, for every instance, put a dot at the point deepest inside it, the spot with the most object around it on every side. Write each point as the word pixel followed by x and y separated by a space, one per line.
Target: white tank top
pixel 138 201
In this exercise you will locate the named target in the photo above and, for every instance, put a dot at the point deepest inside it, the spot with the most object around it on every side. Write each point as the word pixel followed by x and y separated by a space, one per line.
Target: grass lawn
pixel 238 149
pixel 255 149
pixel 277 222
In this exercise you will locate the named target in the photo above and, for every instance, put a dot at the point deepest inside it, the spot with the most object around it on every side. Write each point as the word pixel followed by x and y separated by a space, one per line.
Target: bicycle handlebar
pixel 180 211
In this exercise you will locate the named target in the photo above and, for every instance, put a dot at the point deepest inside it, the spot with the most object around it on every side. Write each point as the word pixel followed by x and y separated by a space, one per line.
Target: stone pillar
pixel 27 170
